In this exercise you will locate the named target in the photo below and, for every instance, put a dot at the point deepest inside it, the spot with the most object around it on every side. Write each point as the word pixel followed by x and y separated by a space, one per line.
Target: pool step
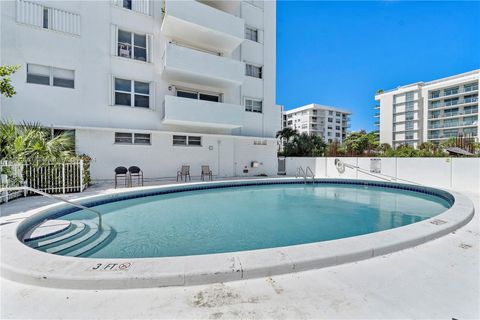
pixel 92 243
pixel 78 239
pixel 75 228
pixel 89 231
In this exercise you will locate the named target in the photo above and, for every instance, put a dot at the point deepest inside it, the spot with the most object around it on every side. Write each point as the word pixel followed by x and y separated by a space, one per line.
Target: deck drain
pixel 438 222
pixel 465 246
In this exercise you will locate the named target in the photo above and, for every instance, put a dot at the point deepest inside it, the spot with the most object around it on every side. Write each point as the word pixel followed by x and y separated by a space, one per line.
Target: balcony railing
pixel 453 103
pixel 460 91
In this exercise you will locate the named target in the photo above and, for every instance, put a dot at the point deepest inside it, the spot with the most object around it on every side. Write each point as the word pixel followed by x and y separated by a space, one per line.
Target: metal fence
pixel 46 176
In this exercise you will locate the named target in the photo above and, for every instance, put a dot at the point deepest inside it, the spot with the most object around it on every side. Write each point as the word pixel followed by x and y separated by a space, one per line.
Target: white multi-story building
pixel 429 111
pixel 150 83
pixel 328 122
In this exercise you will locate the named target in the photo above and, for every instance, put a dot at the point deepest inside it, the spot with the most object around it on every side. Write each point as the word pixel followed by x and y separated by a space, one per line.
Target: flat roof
pixel 421 83
pixel 316 106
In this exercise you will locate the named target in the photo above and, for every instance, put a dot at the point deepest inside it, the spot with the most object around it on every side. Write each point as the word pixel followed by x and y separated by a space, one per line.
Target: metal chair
pixel 206 172
pixel 183 173
pixel 135 171
pixel 121 172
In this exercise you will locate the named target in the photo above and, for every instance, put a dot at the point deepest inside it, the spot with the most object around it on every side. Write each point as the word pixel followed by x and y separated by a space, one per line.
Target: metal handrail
pixel 24 188
pixel 378 175
pixel 300 171
pixel 306 173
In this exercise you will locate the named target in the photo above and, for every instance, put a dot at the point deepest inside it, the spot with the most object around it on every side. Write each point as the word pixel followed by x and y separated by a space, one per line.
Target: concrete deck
pixel 439 279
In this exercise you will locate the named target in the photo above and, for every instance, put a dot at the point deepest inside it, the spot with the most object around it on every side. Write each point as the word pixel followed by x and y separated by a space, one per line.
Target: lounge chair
pixel 206 172
pixel 121 172
pixel 184 172
pixel 135 171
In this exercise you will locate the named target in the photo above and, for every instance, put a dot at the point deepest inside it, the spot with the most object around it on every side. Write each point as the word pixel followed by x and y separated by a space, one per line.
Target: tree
pixel 380 91
pixel 305 145
pixel 6 87
pixel 285 135
pixel 30 141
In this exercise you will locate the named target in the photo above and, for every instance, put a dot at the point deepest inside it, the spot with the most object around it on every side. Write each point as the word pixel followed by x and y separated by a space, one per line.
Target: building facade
pixel 429 111
pixel 328 122
pixel 150 83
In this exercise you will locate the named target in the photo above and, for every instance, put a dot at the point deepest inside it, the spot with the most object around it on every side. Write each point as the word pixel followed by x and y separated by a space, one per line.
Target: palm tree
pixel 29 141
pixel 285 135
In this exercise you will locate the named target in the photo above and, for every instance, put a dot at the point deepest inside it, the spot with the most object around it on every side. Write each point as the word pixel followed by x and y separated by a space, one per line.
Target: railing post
pixel 81 175
pixel 63 177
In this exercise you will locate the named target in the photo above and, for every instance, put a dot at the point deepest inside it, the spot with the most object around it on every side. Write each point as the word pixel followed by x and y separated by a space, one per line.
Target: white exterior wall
pixel 91 52
pixel 227 156
pixel 462 174
pixel 302 120
pixel 392 116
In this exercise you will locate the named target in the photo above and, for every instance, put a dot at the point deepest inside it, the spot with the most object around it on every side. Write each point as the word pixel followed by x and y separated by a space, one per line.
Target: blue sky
pixel 339 53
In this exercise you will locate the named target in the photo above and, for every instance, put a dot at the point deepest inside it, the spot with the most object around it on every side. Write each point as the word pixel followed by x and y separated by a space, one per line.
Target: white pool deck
pixel 438 279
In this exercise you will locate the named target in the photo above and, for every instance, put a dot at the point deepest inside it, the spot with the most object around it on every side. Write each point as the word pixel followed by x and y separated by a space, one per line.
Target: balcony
pixel 193 66
pixel 466 90
pixel 202 25
pixel 456 102
pixel 376 123
pixel 376 115
pixel 201 113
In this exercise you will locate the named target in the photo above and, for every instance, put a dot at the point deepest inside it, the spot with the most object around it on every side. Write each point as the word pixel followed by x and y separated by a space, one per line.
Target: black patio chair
pixel 121 172
pixel 135 171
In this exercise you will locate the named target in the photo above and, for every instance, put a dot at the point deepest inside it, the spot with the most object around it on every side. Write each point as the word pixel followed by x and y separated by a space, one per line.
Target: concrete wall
pixel 452 173
pixel 226 155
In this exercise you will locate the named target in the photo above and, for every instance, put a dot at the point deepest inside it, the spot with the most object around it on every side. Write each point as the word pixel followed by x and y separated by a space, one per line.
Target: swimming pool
pixel 248 217
pixel 206 232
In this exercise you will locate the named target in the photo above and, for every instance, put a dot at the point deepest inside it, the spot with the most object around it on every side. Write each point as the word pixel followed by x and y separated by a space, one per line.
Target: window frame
pixel 251 107
pixel 253 70
pixel 131 46
pixel 132 93
pixel 249 32
pixel 186 139
pixel 132 138
pixel 50 76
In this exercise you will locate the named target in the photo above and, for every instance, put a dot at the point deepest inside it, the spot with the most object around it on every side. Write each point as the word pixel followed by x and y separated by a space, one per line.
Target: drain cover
pixel 465 246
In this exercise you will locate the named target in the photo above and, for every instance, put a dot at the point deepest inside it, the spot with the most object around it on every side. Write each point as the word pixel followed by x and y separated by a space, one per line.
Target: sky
pixel 340 53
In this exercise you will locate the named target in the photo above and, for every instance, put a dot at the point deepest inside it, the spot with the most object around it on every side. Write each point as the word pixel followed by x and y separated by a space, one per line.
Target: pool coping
pixel 23 264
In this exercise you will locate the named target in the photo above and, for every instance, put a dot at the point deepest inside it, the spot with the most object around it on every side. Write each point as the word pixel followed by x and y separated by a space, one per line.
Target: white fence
pixel 462 174
pixel 50 177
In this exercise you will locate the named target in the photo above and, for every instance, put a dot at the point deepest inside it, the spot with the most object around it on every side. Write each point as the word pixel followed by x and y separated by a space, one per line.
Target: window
pixel 409 106
pixel 337 128
pixel 330 119
pixel 337 120
pixel 409 125
pixel 330 113
pixel 409 135
pixel 451 102
pixel 451 91
pixel 214 97
pixel 187 140
pixel 132 138
pixel 436 104
pixel 127 4
pixel 435 94
pixel 45 18
pixel 253 105
pixel 132 45
pixel 409 116
pixel 50 76
pixel 409 96
pixel 337 135
pixel 132 93
pixel 251 34
pixel 337 114
pixel 471 98
pixel 253 71
pixel 470 87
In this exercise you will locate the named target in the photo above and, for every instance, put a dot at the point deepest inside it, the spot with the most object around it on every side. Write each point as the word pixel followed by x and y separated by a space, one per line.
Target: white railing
pixel 45 176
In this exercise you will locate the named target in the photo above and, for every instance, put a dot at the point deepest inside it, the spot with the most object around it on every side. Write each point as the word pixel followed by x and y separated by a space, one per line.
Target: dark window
pixel 123 137
pixel 209 97
pixel 141 138
pixel 127 4
pixel 45 18
pixel 187 94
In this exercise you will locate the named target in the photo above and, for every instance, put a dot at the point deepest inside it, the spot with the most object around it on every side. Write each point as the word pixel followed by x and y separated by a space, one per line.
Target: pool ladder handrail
pixel 305 174
pixel 382 176
pixel 51 196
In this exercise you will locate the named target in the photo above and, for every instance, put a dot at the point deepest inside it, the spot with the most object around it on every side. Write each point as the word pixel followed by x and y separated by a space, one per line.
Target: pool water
pixel 254 217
